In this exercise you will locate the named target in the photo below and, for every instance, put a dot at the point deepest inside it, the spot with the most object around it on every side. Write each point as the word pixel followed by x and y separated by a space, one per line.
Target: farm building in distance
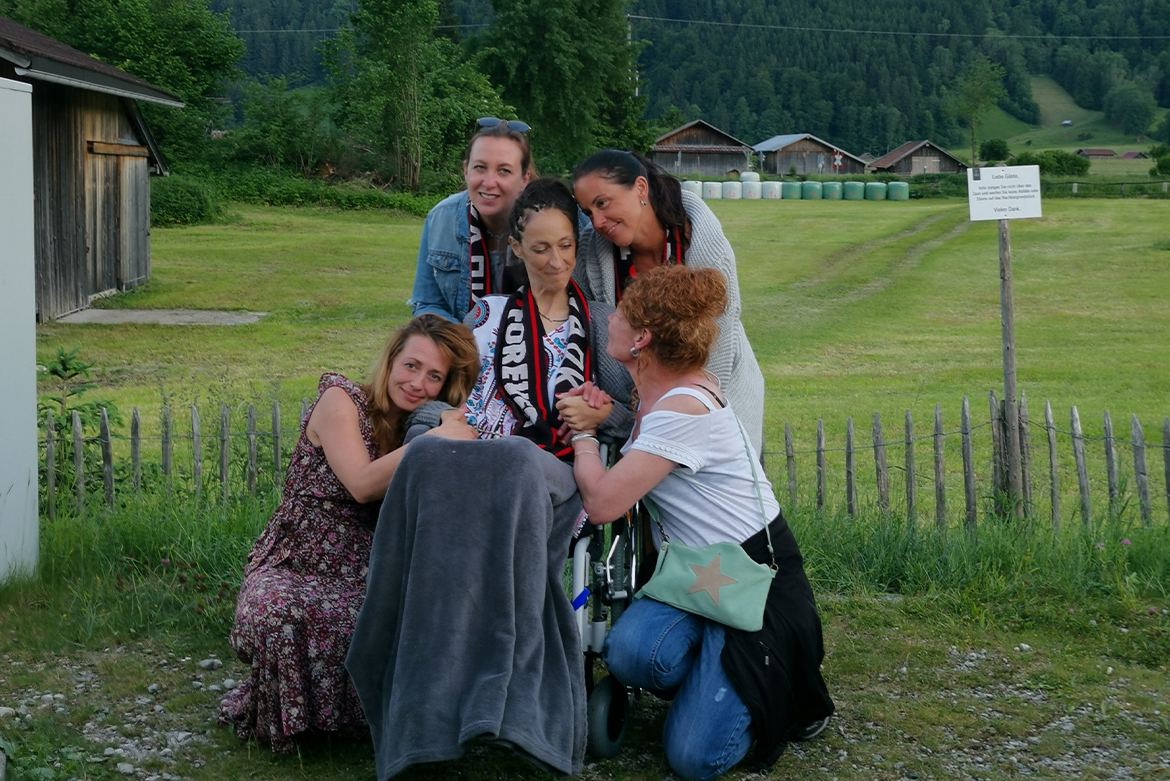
pixel 93 156
pixel 918 157
pixel 1134 156
pixel 807 154
pixel 701 149
pixel 1096 154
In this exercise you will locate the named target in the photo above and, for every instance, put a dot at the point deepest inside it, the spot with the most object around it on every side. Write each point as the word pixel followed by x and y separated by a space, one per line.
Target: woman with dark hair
pixel 463 253
pixel 543 364
pixel 690 457
pixel 305 578
pixel 642 218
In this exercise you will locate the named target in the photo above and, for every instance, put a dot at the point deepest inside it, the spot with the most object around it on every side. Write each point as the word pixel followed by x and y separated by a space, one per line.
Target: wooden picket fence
pixel 995 492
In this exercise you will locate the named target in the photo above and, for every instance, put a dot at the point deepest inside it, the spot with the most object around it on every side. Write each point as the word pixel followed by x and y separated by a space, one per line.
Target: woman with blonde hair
pixel 304 581
pixel 691 457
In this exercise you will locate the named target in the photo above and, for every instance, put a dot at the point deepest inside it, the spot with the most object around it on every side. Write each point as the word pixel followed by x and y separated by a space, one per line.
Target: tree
pixel 408 95
pixel 179 45
pixel 1131 107
pixel 568 68
pixel 977 92
pixel 994 149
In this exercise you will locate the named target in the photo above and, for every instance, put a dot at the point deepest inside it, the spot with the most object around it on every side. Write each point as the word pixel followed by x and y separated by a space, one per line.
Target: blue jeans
pixel 675 654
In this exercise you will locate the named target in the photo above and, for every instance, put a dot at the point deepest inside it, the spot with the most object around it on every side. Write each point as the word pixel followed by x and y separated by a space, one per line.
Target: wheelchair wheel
pixel 607 710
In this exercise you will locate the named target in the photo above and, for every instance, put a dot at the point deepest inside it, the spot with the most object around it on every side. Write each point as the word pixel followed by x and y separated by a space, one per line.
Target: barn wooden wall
pixel 92 192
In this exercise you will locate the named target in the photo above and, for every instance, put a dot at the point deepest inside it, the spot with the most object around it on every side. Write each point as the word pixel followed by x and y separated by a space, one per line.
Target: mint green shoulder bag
pixel 720 581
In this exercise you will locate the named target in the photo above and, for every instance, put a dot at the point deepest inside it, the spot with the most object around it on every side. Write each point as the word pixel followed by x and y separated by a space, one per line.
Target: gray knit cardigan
pixel 732 360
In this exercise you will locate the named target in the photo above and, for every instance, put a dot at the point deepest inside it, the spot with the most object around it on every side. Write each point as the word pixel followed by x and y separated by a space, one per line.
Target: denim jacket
pixel 442 279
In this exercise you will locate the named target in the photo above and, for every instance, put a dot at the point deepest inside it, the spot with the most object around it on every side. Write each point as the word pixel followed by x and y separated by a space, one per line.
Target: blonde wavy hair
pixel 455 343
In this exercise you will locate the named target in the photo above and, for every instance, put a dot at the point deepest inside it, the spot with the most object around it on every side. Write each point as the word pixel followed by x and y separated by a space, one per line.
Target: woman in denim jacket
pixel 463 254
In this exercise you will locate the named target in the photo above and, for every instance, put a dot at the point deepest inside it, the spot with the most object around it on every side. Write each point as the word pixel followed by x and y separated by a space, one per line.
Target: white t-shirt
pixel 711 495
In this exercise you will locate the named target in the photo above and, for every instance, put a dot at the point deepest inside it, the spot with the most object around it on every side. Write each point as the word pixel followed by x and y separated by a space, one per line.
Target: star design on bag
pixel 710 579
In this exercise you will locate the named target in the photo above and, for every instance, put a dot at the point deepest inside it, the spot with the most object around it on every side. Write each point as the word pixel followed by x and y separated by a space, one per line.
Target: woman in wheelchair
pixel 689 455
pixel 543 362
pixel 466 632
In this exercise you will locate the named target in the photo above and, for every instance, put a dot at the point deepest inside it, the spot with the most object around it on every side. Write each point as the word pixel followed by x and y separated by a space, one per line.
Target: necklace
pixel 554 319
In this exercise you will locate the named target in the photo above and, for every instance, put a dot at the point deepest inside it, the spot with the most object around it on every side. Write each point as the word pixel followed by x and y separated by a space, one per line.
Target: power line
pixel 906 33
pixel 339 29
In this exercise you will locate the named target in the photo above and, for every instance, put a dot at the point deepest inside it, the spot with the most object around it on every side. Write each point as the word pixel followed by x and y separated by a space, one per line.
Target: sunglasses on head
pixel 513 124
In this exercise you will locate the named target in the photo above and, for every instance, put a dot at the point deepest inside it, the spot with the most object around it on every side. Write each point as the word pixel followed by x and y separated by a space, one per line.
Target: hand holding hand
pixel 454 426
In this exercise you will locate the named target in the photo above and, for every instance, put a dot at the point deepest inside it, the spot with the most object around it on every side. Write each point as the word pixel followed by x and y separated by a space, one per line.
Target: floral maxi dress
pixel 304 583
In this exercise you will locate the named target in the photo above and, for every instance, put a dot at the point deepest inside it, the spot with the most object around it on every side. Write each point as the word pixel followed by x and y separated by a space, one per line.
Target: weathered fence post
pixel 136 449
pixel 1111 465
pixel 278 474
pixel 790 462
pixel 225 448
pixel 78 464
pixel 166 446
pixel 51 464
pixel 196 453
pixel 940 488
pixel 252 449
pixel 304 412
pixel 850 484
pixel 911 508
pixel 969 495
pixel 1053 470
pixel 1166 456
pixel 879 463
pixel 821 480
pixel 998 480
pixel 1025 455
pixel 107 457
pixel 1074 188
pixel 1139 470
pixel 1078 443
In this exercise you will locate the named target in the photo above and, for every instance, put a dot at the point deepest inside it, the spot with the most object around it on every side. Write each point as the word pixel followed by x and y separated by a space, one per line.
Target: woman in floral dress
pixel 305 577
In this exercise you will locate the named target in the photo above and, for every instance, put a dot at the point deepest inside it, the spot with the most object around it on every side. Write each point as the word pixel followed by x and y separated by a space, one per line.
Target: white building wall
pixel 18 353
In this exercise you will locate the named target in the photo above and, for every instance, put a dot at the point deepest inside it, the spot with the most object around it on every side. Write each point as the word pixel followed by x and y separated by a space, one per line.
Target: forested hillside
pixel 866 75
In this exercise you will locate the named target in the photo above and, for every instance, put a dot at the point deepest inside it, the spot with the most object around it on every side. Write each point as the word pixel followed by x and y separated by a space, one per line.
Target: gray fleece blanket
pixel 466 631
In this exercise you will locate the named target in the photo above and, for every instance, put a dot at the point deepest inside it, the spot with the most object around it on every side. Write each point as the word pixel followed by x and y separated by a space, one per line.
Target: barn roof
pixel 732 144
pixel 42 58
pixel 776 143
pixel 1095 152
pixel 1134 156
pixel 907 149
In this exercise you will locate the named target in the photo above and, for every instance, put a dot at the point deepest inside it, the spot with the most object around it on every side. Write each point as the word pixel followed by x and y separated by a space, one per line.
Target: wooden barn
pixel 93 156
pixel 701 149
pixel 807 154
pixel 918 157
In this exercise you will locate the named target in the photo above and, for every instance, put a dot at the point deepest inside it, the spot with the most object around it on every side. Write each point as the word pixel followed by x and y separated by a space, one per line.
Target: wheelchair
pixel 605 576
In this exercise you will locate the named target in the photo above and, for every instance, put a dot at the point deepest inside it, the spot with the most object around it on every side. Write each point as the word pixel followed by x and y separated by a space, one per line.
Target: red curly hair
pixel 678 306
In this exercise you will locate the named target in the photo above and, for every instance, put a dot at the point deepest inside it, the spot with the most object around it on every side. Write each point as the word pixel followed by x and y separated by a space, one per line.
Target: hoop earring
pixel 635 352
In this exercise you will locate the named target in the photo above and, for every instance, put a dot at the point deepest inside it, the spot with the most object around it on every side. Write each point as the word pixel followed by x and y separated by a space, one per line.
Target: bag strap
pixel 759 497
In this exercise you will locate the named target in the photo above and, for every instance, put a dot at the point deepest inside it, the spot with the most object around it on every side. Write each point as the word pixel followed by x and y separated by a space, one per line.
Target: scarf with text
pixel 522 366
pixel 481 271
pixel 623 261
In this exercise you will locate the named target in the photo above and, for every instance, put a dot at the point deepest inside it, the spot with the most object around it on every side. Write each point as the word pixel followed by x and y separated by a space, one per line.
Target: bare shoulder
pixel 336 404
pixel 682 403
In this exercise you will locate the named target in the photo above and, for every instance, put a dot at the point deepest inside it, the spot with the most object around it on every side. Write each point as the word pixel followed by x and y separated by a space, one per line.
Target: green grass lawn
pixel 853 308
pixel 1008 654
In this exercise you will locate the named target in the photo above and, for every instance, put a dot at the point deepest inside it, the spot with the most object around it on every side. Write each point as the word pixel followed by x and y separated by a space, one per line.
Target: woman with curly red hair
pixel 689 454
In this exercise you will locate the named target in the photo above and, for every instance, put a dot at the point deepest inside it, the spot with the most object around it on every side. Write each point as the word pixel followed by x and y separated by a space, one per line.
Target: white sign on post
pixel 1009 193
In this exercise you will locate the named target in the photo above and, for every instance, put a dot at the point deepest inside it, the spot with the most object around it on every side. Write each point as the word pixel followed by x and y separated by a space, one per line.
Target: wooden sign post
pixel 1005 194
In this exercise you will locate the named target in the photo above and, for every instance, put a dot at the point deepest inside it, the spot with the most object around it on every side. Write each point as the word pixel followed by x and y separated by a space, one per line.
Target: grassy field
pixel 1056 105
pixel 1008 654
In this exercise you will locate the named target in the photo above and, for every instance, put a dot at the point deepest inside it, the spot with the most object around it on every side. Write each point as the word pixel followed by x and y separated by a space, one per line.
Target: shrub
pixel 1161 166
pixel 1054 162
pixel 181 200
pixel 994 149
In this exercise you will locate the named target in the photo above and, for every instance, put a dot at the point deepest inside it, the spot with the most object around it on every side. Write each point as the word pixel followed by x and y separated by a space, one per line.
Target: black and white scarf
pixel 481 259
pixel 514 274
pixel 623 261
pixel 522 366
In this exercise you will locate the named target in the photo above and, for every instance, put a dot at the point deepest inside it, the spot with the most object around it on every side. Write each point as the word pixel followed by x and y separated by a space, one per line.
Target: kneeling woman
pixel 691 456
pixel 305 577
